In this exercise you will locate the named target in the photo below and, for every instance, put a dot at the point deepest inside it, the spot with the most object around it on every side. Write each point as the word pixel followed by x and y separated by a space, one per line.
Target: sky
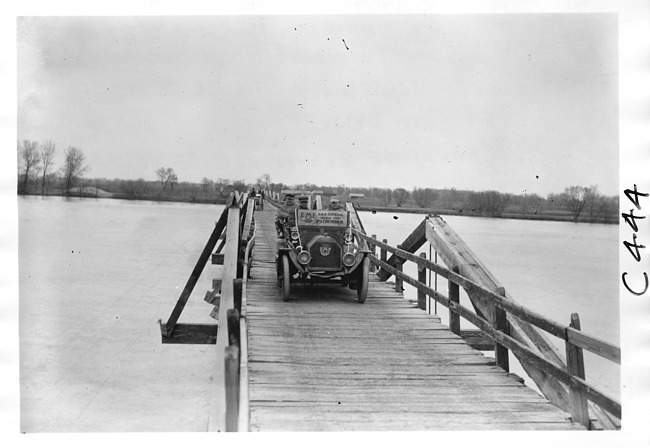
pixel 508 102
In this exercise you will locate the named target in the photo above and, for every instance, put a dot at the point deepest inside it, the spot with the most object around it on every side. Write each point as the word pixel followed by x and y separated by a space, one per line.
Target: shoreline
pixel 451 212
pixel 358 206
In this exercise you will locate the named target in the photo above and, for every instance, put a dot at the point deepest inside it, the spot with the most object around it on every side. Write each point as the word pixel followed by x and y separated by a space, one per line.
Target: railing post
pixel 501 324
pixel 422 278
pixel 372 247
pixel 576 366
pixel 454 297
pixel 399 263
pixel 238 286
pixel 231 367
pixel 233 327
pixel 383 256
pixel 240 259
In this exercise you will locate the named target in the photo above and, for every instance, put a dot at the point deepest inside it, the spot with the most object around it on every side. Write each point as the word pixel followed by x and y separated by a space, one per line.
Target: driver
pixel 287 210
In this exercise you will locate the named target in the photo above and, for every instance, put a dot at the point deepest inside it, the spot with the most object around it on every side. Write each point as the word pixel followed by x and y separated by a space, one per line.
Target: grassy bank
pixel 92 192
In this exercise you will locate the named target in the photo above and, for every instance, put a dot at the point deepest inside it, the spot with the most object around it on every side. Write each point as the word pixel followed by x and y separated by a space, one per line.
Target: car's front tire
pixel 362 282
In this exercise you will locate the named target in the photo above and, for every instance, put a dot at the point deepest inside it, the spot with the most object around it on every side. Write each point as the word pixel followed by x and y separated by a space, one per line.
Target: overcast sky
pixel 514 103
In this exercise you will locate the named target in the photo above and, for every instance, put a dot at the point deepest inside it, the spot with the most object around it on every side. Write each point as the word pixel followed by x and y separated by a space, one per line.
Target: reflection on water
pixel 554 268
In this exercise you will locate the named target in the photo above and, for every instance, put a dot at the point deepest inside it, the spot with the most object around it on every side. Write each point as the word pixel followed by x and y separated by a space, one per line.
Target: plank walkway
pixel 324 362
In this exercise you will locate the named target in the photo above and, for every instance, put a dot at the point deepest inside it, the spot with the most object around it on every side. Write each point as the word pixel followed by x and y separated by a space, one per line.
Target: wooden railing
pixel 499 321
pixel 236 230
pixel 230 386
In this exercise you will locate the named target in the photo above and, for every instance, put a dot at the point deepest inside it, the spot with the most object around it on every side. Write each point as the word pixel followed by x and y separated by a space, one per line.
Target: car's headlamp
pixel 348 259
pixel 304 257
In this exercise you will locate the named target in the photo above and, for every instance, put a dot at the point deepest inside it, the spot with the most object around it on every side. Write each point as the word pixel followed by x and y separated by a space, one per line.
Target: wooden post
pixel 399 264
pixel 454 297
pixel 501 324
pixel 383 256
pixel 422 278
pixel 231 364
pixel 373 267
pixel 233 327
pixel 240 261
pixel 238 285
pixel 576 367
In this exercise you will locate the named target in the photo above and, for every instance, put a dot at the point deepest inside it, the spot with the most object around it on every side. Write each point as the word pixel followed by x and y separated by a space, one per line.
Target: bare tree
pixel 165 175
pixel 596 204
pixel 263 181
pixel 74 165
pixel 240 186
pixel 138 187
pixel 575 199
pixel 490 202
pixel 220 185
pixel 400 195
pixel 476 202
pixel 205 185
pixel 385 195
pixel 30 159
pixel 47 151
pixel 424 197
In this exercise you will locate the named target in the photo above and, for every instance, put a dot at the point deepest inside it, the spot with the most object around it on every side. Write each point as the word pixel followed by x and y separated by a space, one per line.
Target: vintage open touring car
pixel 321 248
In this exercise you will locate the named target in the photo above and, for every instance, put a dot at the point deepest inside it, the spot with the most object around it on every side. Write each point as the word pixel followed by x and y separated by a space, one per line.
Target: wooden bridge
pixel 323 361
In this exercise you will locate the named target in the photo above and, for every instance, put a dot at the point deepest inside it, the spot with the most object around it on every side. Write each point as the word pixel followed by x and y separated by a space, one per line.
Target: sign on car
pixel 323 218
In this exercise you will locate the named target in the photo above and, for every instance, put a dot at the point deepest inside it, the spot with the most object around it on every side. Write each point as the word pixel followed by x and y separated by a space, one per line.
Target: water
pixel 554 268
pixel 95 275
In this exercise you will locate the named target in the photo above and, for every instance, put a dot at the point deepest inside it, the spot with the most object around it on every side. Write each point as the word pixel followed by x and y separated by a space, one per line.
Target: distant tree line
pixel 38 175
pixel 167 187
pixel 575 203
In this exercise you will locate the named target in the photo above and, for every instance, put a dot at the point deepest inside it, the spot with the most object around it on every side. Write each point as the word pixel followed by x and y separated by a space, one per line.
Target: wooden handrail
pixel 580 339
pixel 243 422
pixel 217 421
pixel 602 399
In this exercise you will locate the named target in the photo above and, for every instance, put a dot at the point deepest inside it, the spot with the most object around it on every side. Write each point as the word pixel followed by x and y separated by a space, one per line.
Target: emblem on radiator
pixel 325 250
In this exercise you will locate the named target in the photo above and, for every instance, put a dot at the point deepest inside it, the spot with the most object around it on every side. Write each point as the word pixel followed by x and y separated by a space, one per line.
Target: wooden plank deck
pixel 323 362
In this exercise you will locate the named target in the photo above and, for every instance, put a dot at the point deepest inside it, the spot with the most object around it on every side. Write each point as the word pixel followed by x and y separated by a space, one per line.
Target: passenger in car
pixel 303 202
pixel 335 204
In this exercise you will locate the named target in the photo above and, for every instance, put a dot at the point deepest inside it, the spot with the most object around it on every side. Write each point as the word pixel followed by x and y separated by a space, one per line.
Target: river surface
pixel 78 255
pixel 95 275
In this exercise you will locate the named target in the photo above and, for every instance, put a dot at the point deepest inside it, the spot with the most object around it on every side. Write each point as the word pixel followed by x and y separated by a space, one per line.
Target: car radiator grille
pixel 325 256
